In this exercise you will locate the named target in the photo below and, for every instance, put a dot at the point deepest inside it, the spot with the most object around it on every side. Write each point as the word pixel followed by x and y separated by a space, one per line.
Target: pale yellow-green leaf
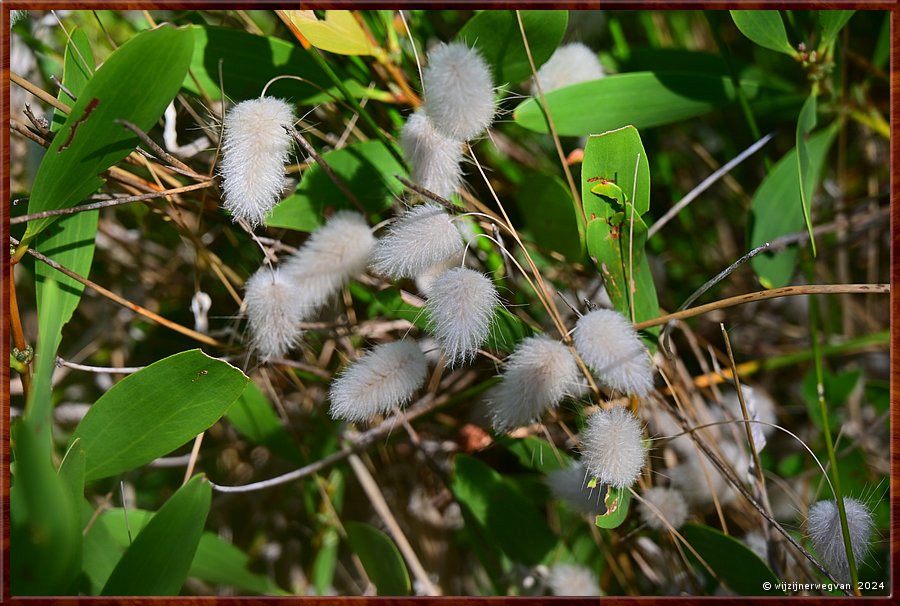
pixel 338 33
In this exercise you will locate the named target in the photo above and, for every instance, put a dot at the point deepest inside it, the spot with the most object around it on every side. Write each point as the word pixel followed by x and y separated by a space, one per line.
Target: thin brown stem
pixel 156 149
pixel 338 182
pixel 40 93
pixel 15 323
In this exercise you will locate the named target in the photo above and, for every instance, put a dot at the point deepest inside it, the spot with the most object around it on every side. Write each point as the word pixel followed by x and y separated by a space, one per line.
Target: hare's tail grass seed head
pixel 272 313
pixel 573 580
pixel 609 344
pixel 255 148
pixel 333 254
pixel 384 378
pixel 435 159
pixel 612 450
pixel 419 239
pixel 537 376
pixel 569 64
pixel 824 528
pixel 670 504
pixel 570 485
pixel 459 94
pixel 460 310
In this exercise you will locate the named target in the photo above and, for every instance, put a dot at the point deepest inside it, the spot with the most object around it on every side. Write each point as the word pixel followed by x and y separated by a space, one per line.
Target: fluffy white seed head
pixel 536 377
pixel 824 527
pixel 669 502
pixel 609 344
pixel 435 159
pixel 384 378
pixel 570 485
pixel 459 94
pixel 334 253
pixel 255 149
pixel 420 239
pixel 272 313
pixel 460 310
pixel 569 64
pixel 611 446
pixel 573 580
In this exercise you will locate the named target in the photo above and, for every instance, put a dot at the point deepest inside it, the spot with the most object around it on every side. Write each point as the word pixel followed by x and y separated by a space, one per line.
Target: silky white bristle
pixel 824 527
pixel 419 239
pixel 334 253
pixel 669 502
pixel 570 485
pixel 273 316
pixel 460 310
pixel 612 450
pixel 384 378
pixel 255 149
pixel 609 344
pixel 434 158
pixel 573 580
pixel 569 64
pixel 538 374
pixel 459 94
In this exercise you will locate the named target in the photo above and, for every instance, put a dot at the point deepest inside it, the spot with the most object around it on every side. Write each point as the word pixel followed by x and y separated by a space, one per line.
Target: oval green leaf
pixel 732 561
pixel 155 410
pixel 830 23
pixel 765 28
pixel 380 557
pixel 546 205
pixel 617 501
pixel 158 561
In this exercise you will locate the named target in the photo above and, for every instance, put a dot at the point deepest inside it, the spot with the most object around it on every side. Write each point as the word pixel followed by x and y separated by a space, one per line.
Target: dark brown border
pixel 891 6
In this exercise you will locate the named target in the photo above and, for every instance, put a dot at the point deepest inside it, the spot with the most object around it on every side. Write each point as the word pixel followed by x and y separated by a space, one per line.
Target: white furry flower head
pixel 612 450
pixel 273 316
pixel 434 157
pixel 334 253
pixel 608 343
pixel 459 94
pixel 570 485
pixel 255 149
pixel 669 503
pixel 419 239
pixel 538 374
pixel 460 311
pixel 384 378
pixel 569 64
pixel 824 527
pixel 573 580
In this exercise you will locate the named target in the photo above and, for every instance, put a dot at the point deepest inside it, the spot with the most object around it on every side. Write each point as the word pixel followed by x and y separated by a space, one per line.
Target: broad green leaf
pixel 338 33
pixel 496 35
pixel 329 539
pixel 155 410
pixel 550 216
pixel 158 561
pixel 776 212
pixel 837 390
pixel 78 67
pixel 252 415
pixel 732 561
pixel 608 169
pixel 248 62
pixel 38 409
pixel 765 28
pixel 805 123
pixel 640 99
pixel 71 470
pixel 536 453
pixel 830 23
pixel 617 501
pixel 507 517
pixel 673 60
pixel 219 562
pixel 506 331
pixel 367 169
pixel 136 83
pixel 380 557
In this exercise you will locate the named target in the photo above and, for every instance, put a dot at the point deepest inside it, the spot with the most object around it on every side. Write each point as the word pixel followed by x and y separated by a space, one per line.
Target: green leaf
pixel 380 557
pixel 368 170
pixel 78 67
pixel 617 501
pixel 38 409
pixel 640 99
pixel 71 470
pixel 158 561
pixel 535 453
pixel 765 28
pixel 219 562
pixel 337 33
pixel 252 415
pixel 506 331
pixel 732 561
pixel 549 214
pixel 837 391
pixel 805 123
pixel 136 83
pixel 608 175
pixel 155 410
pixel 496 34
pixel 45 529
pixel 830 23
pixel 673 60
pixel 508 518
pixel 775 211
